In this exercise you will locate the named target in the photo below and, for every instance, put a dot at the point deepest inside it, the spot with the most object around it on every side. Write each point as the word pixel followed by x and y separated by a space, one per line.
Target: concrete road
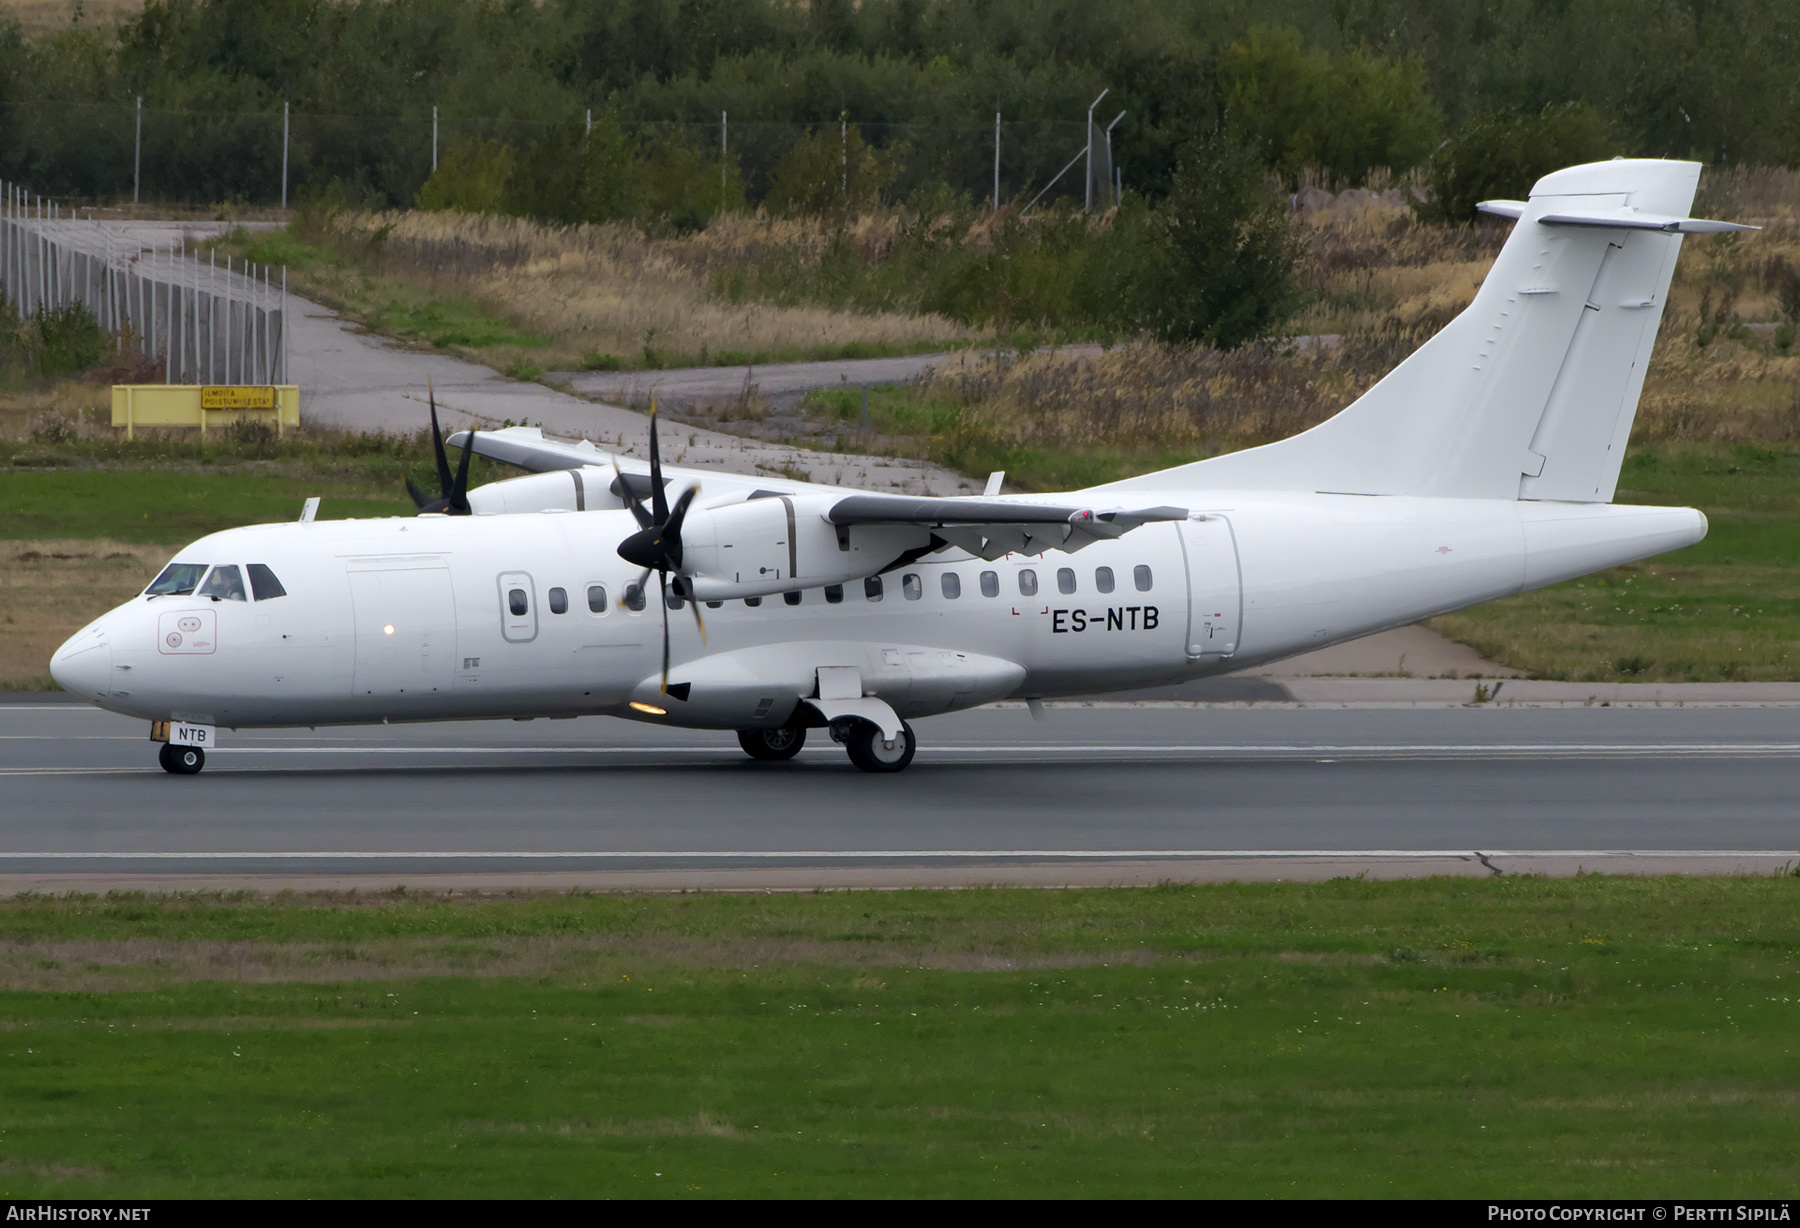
pixel 1105 794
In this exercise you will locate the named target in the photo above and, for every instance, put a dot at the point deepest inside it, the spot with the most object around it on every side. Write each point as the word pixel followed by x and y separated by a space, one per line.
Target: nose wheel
pixel 772 745
pixel 181 760
pixel 871 750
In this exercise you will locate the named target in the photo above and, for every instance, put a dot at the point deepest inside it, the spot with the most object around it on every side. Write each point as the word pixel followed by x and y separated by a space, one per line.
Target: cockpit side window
pixel 226 583
pixel 263 583
pixel 177 580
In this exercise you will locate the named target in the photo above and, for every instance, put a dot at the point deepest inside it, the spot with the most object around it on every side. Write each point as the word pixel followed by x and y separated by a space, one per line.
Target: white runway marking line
pixel 898 854
pixel 1497 750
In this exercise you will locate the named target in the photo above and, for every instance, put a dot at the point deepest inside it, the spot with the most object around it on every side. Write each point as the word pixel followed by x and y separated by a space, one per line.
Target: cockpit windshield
pixel 177 580
pixel 225 583
pixel 263 582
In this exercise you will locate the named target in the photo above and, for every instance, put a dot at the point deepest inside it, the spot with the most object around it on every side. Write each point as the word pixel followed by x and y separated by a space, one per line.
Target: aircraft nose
pixel 83 665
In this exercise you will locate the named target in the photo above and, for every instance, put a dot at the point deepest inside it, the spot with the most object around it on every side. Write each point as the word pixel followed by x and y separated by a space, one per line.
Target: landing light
pixel 388 630
pixel 652 709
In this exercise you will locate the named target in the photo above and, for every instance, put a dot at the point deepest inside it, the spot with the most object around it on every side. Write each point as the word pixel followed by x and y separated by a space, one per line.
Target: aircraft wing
pixel 526 447
pixel 991 528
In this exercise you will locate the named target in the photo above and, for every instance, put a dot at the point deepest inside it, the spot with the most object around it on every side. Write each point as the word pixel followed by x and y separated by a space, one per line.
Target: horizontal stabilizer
pixel 1615 219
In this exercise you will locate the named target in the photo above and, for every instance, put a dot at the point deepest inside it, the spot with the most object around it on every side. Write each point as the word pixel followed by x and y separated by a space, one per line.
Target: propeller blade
pixel 659 500
pixel 437 442
pixel 631 499
pixel 685 590
pixel 662 580
pixel 420 499
pixel 671 529
pixel 458 500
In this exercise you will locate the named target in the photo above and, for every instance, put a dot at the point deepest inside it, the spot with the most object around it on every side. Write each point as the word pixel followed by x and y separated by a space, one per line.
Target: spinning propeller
pixel 453 493
pixel 656 546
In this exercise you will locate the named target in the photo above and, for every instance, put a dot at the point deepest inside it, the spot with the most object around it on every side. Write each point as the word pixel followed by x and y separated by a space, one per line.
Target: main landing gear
pixel 868 749
pixel 181 760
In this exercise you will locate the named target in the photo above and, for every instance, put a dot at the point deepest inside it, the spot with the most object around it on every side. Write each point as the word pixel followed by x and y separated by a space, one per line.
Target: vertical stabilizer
pixel 1531 391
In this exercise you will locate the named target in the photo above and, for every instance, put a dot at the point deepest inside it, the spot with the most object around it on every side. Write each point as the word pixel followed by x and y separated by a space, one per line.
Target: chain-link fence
pixel 199 323
pixel 93 152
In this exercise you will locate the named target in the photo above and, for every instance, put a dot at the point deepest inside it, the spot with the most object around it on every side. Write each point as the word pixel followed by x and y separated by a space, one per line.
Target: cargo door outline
pixel 405 630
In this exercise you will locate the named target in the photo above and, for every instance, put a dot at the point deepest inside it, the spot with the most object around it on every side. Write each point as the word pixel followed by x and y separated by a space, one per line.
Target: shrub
pixel 69 341
pixel 471 177
pixel 832 170
pixel 1224 258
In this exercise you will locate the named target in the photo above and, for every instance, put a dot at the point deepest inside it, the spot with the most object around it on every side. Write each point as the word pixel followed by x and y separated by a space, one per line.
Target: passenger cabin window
pixel 1140 576
pixel 634 598
pixel 177 580
pixel 1065 579
pixel 792 598
pixel 872 588
pixel 596 599
pixel 911 587
pixel 515 601
pixel 226 583
pixel 673 600
pixel 559 601
pixel 990 584
pixel 834 594
pixel 713 605
pixel 753 602
pixel 263 584
pixel 1103 579
pixel 952 585
pixel 1028 583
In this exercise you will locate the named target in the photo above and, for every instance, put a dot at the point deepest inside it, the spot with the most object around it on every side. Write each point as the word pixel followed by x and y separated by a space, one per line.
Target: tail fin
pixel 1530 392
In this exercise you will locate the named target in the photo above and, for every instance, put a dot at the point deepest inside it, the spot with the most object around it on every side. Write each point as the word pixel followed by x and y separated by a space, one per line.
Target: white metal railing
pixel 202 323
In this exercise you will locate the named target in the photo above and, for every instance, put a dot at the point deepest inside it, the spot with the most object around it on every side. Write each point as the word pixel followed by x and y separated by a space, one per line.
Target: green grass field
pixel 1470 1038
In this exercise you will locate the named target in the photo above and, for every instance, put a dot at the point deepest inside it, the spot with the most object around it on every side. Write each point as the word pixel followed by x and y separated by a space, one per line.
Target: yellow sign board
pixel 158 405
pixel 224 397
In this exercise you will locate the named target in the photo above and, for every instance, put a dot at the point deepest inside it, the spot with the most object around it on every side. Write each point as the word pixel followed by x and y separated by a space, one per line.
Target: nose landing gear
pixel 181 760
pixel 772 745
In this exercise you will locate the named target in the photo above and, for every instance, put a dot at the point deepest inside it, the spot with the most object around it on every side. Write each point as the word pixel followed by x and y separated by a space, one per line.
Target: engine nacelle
pixel 782 542
pixel 586 489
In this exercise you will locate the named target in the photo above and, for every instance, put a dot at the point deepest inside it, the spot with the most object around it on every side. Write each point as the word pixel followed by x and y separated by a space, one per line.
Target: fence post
pixel 724 150
pixel 1089 206
pixel 996 161
pixel 137 152
pixel 284 154
pixel 844 151
pixel 434 140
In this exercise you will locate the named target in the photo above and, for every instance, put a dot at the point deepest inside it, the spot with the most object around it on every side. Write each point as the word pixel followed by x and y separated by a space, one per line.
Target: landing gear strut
pixel 772 745
pixel 870 749
pixel 181 760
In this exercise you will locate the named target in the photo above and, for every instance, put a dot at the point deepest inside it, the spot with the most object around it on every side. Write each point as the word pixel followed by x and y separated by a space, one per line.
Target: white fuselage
pixel 413 619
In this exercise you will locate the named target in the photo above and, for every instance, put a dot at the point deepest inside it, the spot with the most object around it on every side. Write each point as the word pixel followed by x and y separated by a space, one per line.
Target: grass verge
pixel 1725 610
pixel 1597 1037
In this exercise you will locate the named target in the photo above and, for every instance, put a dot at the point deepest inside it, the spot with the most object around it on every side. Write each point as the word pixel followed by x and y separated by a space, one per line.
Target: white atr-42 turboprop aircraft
pixel 1483 465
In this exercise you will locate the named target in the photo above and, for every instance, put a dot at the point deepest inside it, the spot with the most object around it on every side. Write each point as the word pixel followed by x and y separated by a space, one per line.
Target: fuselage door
pixel 518 607
pixel 405 626
pixel 1216 591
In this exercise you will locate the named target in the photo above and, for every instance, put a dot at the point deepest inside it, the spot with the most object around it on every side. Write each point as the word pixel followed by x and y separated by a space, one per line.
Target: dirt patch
pixel 137 964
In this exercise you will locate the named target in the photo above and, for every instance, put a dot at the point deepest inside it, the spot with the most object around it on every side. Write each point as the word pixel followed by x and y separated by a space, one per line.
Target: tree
pixel 1224 269
pixel 830 169
pixel 1346 113
pixel 1501 156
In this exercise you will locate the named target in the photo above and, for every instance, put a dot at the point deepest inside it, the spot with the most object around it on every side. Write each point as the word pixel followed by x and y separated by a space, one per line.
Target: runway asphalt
pixel 1100 794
